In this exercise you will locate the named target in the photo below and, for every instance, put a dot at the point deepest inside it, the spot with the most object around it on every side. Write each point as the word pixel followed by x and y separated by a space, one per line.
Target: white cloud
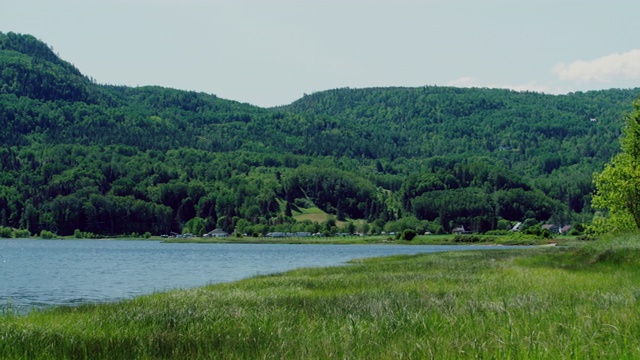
pixel 465 81
pixel 625 66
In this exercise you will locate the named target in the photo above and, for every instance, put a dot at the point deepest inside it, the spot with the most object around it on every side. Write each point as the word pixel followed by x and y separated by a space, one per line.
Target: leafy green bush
pixel 5 232
pixel 504 224
pixel 573 232
pixel 46 234
pixel 21 233
pixel 499 232
pixel 408 235
pixel 466 238
pixel 537 230
pixel 77 234
pixel 195 226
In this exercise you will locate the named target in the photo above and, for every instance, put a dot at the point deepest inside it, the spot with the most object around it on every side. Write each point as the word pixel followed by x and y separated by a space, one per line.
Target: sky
pixel 272 52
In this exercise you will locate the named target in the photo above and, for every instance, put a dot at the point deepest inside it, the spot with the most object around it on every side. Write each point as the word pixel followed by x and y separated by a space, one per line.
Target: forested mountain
pixel 544 131
pixel 76 155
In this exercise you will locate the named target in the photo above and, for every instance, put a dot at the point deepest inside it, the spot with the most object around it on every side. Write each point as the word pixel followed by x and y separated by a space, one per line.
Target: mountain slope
pixel 82 157
pixel 534 133
pixel 438 121
pixel 31 69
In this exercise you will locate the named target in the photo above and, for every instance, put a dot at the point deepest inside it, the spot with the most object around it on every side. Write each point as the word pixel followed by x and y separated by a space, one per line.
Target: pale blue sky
pixel 272 52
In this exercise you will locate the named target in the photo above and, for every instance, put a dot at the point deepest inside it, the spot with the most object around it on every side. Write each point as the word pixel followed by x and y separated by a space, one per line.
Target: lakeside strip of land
pixel 577 301
pixel 516 239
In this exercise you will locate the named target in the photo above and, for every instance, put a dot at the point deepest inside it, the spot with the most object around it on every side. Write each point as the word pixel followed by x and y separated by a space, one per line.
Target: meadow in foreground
pixel 552 302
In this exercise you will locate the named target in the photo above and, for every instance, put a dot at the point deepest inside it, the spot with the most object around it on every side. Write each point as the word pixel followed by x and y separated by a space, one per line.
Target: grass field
pixel 573 302
pixel 313 214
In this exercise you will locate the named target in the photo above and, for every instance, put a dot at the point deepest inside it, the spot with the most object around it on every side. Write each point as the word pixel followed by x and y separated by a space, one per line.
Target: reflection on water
pixel 40 273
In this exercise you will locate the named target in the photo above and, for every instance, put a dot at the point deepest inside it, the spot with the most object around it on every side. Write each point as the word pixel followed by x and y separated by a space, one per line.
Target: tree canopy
pixel 618 185
pixel 105 159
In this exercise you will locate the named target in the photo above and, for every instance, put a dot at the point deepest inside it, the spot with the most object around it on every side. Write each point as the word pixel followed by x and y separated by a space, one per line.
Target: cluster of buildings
pixel 221 233
pixel 552 228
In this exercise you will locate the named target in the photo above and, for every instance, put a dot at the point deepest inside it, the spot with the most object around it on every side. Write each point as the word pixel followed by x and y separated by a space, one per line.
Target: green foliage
pixel 46 234
pixel 6 232
pixel 467 238
pixel 112 160
pixel 404 223
pixel 618 185
pixel 499 232
pixel 617 251
pixel 438 121
pixel 408 235
pixel 195 226
pixel 334 191
pixel 21 233
pixel 77 234
pixel 574 232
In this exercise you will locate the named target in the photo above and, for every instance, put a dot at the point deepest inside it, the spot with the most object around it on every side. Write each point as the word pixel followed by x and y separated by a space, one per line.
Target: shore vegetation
pixel 578 301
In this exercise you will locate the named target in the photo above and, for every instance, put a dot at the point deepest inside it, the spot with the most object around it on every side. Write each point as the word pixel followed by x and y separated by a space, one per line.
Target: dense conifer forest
pixel 80 157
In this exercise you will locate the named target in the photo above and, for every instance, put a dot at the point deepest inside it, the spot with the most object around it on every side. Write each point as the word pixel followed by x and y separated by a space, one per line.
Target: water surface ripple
pixel 41 273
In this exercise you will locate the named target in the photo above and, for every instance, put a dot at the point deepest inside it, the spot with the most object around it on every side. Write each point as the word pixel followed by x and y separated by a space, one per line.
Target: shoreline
pixel 478 303
pixel 489 240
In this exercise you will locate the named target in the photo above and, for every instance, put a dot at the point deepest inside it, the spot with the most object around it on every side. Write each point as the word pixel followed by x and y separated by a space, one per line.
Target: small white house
pixel 460 230
pixel 216 233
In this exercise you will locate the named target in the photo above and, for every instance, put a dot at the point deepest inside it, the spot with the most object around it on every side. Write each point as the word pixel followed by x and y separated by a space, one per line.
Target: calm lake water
pixel 41 273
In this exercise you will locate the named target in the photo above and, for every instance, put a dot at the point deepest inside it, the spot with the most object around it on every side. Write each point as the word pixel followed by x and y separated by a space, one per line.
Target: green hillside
pixel 534 132
pixel 81 157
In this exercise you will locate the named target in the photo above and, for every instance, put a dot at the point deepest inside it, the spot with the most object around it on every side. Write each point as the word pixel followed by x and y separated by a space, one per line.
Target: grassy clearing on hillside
pixel 313 214
pixel 550 302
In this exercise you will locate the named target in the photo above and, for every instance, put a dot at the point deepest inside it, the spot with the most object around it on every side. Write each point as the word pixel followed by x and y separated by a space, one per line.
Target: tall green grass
pixel 552 303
